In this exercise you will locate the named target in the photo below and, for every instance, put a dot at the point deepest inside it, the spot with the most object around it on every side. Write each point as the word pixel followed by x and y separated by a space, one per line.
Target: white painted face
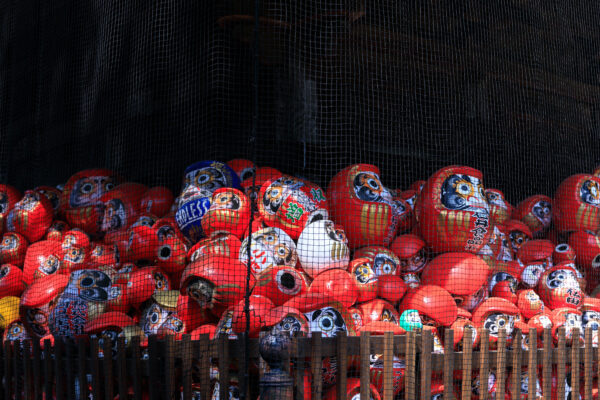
pixel 326 320
pixel 542 210
pixel 269 247
pixel 545 321
pixel 531 274
pixel 496 321
pixel 322 246
pixel 562 278
pixel 465 193
pixel 572 321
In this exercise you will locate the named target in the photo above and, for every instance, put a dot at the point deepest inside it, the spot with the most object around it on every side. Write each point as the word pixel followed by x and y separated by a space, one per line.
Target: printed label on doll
pixel 192 212
pixel 480 230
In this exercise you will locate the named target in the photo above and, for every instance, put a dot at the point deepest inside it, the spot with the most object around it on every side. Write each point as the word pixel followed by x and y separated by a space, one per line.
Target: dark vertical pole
pixel 82 345
pixel 252 148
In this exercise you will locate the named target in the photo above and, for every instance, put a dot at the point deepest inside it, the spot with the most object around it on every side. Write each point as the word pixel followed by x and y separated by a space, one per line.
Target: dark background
pixel 148 87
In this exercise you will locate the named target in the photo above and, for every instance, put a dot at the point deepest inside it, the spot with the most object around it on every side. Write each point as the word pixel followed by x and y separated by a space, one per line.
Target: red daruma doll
pixel 363 206
pixel 577 204
pixel 453 212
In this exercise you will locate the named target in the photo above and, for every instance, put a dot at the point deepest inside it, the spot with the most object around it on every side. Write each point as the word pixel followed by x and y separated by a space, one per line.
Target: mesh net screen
pixel 349 166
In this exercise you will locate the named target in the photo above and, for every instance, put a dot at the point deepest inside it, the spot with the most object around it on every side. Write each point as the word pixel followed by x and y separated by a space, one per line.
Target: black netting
pixel 181 167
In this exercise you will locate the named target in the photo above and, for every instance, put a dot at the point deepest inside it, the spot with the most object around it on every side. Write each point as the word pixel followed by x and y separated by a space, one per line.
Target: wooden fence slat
pixel 17 370
pixel 575 374
pixel 59 351
pixel 588 364
pixel 69 359
pixel 48 372
pixel 562 358
pixel 136 368
pixel 122 368
pixel 547 364
pixel 467 364
pixel 107 362
pixel 154 375
pixel 484 363
pixel 501 362
pixel 416 384
pixel 205 365
pixel 8 369
pixel 299 366
pixel 224 366
pixel 448 363
pixel 82 345
pixel 426 350
pixel 95 367
pixel 410 384
pixel 365 362
pixel 342 360
pixel 316 366
pixel 27 370
pixel 36 359
pixel 186 366
pixel 2 370
pixel 388 364
pixel 516 362
pixel 169 364
pixel 532 368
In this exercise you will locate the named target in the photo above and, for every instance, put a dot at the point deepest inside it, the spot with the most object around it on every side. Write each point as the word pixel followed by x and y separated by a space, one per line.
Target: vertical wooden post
pixel 122 368
pixel 575 359
pixel 2 370
pixel 8 354
pixel 448 363
pixel 59 351
pixel 48 378
pixel 410 384
pixel 136 362
pixel 28 382
pixel 388 366
pixel 299 364
pixel 342 359
pixel 532 361
pixel 70 370
pixel 154 368
pixel 169 363
pixel 186 366
pixel 562 358
pixel 107 362
pixel 17 370
pixel 205 365
pixel 37 380
pixel 547 362
pixel 501 362
pixel 588 364
pixel 467 363
pixel 95 361
pixel 224 362
pixel 82 346
pixel 516 362
pixel 365 362
pixel 426 350
pixel 484 363
pixel 316 364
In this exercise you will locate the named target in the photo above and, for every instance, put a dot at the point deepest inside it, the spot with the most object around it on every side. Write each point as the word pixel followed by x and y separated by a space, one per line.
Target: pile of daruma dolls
pixel 103 256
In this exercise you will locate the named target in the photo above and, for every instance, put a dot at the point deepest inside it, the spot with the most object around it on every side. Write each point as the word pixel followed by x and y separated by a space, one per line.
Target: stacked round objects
pixel 103 256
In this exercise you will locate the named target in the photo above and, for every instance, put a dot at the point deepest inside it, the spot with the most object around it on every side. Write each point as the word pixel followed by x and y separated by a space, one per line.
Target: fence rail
pixel 169 369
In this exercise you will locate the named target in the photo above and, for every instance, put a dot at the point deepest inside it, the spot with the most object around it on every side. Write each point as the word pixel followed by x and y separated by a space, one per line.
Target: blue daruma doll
pixel 200 180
